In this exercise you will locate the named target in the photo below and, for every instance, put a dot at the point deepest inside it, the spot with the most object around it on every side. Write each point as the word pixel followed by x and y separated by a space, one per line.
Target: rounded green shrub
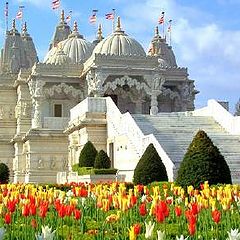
pixel 150 168
pixel 102 160
pixel 202 162
pixel 4 173
pixel 87 155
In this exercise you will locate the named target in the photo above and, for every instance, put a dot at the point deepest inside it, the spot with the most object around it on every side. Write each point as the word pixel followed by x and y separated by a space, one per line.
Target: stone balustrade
pixel 57 123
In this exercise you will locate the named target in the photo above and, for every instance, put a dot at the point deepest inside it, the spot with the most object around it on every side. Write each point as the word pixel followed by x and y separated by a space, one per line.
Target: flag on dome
pixel 93 17
pixel 109 16
pixel 161 19
pixel 55 4
pixel 20 13
pixel 6 10
pixel 69 17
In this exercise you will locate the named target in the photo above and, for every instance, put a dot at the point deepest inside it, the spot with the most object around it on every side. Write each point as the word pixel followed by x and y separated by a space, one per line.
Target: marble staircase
pixel 175 131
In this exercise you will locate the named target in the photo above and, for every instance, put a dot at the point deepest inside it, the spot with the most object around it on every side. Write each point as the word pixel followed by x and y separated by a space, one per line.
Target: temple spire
pixel 99 33
pixel 75 27
pixel 14 24
pixel 24 28
pixel 118 27
pixel 156 31
pixel 62 17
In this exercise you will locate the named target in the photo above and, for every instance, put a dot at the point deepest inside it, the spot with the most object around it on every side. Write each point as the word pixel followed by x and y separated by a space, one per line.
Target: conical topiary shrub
pixel 87 155
pixel 102 160
pixel 203 162
pixel 150 168
pixel 4 173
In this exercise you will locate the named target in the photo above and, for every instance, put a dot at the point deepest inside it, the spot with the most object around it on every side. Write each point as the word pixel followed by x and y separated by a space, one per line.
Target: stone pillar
pixel 37 115
pixel 154 103
pixel 95 82
pixel 37 99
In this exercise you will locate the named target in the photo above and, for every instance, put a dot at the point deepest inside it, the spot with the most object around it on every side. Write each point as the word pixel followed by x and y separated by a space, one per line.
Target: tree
pixel 4 173
pixel 202 162
pixel 87 155
pixel 150 168
pixel 102 160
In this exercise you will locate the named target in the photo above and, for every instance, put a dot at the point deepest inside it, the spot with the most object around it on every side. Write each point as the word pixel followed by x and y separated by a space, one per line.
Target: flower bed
pixel 119 211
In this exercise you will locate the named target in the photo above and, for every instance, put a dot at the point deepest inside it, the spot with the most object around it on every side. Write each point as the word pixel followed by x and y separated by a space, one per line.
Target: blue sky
pixel 205 34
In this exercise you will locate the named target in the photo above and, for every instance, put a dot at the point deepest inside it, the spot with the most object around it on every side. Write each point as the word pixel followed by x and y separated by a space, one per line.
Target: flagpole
pixel 113 22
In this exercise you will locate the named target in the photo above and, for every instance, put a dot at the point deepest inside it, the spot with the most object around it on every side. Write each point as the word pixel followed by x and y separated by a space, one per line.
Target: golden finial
pixel 62 16
pixel 14 24
pixel 156 31
pixel 99 32
pixel 118 28
pixel 75 27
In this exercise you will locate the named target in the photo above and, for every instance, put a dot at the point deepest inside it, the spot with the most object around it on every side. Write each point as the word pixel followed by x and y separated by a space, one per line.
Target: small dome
pixel 59 58
pixel 75 47
pixel 119 44
pixel 159 48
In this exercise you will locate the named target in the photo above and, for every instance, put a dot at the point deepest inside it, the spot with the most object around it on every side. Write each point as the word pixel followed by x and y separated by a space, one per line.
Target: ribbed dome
pixel 159 48
pixel 59 58
pixel 119 44
pixel 75 47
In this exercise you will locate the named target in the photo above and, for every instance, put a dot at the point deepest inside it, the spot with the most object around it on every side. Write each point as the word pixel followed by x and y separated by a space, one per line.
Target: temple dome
pixel 119 44
pixel 160 49
pixel 59 58
pixel 75 47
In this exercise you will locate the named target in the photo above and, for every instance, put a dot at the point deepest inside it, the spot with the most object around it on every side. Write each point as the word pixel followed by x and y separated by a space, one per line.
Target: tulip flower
pixel 142 209
pixel 216 216
pixel 47 234
pixel 2 232
pixel 233 235
pixel 191 229
pixel 8 218
pixel 178 211
pixel 132 235
pixel 77 214
pixel 137 228
pixel 149 229
pixel 161 235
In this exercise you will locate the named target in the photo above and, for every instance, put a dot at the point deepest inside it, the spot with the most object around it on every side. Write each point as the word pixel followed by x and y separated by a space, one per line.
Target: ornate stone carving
pixel 126 80
pixel 95 82
pixel 64 88
pixel 157 82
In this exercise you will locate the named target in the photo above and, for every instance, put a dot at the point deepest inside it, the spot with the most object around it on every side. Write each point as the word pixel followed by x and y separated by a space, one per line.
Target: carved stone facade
pixel 36 97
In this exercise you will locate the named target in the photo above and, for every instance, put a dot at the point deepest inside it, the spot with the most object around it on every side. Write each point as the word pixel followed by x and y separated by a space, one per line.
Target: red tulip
pixel 142 209
pixel 43 208
pixel 8 218
pixel 137 228
pixel 32 209
pixel 77 214
pixel 178 211
pixel 192 218
pixel 191 229
pixel 25 210
pixel 216 216
pixel 195 208
pixel 62 211
pixel 11 205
